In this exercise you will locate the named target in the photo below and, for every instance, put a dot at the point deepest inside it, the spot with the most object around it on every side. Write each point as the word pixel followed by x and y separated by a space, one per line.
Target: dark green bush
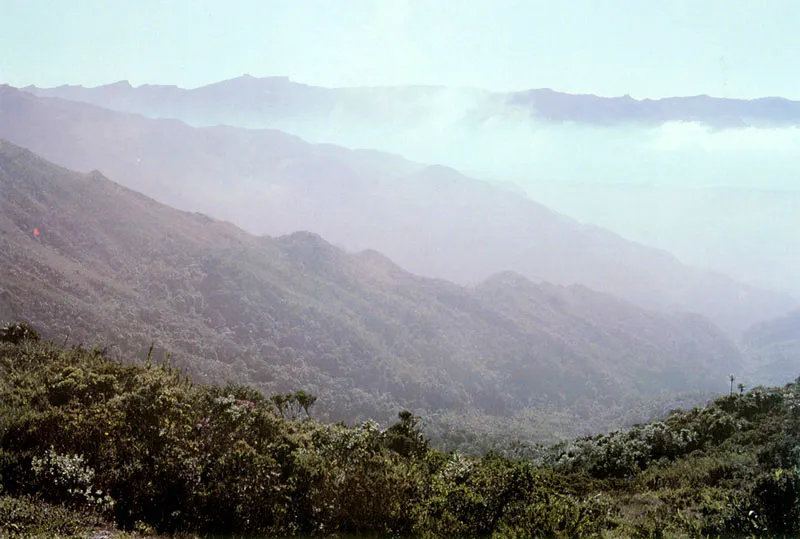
pixel 17 332
pixel 775 503
pixel 143 445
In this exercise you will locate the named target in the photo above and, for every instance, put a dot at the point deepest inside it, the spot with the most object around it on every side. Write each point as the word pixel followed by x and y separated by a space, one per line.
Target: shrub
pixel 68 478
pixel 16 332
pixel 775 502
pixel 25 517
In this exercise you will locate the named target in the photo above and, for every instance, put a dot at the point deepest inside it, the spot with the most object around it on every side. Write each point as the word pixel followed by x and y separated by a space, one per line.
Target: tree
pixel 405 437
pixel 280 403
pixel 305 400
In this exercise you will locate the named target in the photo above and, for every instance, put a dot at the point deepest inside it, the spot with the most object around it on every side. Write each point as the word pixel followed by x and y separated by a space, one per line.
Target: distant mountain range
pixel 255 101
pixel 431 220
pixel 710 180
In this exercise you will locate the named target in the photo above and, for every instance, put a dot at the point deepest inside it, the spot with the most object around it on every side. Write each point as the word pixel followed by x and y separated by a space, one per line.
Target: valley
pixel 114 268
pixel 655 171
pixel 431 220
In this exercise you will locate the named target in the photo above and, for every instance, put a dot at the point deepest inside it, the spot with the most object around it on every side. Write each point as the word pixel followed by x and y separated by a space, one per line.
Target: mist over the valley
pixel 432 220
pixel 722 198
pixel 712 181
pixel 726 198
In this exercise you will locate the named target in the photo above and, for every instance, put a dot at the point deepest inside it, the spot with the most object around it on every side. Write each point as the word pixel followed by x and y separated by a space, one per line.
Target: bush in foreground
pixel 84 439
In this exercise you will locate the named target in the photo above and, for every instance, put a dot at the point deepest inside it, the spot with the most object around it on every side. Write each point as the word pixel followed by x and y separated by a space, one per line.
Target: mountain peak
pixel 310 250
pixel 119 85
pixel 304 237
pixel 246 85
pixel 250 79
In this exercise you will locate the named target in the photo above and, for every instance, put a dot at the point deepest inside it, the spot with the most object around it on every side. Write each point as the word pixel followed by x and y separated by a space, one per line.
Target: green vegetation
pixel 544 362
pixel 86 439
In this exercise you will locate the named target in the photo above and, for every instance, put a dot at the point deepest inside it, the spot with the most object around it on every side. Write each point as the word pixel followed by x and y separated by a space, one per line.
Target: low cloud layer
pixel 726 199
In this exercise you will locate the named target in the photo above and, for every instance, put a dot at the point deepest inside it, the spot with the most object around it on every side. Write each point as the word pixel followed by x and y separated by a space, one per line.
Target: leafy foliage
pixel 18 332
pixel 24 517
pixel 93 439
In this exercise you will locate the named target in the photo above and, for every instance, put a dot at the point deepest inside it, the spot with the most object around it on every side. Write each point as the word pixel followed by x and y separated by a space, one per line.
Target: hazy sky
pixel 611 47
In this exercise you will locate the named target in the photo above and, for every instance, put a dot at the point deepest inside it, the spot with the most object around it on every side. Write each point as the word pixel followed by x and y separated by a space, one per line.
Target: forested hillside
pixel 431 220
pixel 90 261
pixel 86 443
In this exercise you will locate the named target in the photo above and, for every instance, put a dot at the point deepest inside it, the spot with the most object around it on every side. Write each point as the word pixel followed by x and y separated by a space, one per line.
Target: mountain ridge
pixel 115 267
pixel 577 154
pixel 432 221
pixel 546 103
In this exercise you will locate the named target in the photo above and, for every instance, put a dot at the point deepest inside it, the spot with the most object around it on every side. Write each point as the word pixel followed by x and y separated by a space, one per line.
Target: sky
pixel 643 48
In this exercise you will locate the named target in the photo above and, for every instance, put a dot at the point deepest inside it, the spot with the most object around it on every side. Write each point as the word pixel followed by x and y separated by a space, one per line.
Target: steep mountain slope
pixel 296 312
pixel 432 220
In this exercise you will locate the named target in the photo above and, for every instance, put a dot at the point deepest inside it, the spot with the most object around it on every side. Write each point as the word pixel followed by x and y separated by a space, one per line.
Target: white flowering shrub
pixel 70 478
pixel 457 468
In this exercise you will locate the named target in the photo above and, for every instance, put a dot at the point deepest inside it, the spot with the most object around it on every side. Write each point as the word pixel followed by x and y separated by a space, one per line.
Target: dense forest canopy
pixel 505 359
